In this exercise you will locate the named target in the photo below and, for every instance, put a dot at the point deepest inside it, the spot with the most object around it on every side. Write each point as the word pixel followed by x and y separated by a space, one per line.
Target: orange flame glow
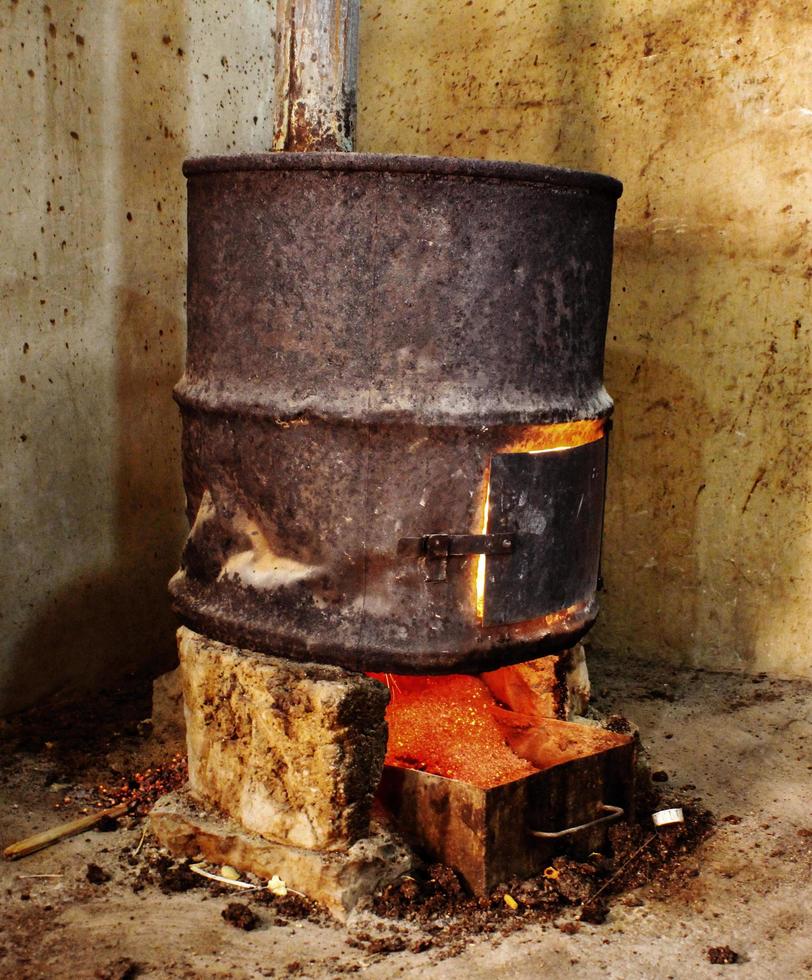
pixel 457 726
pixel 480 564
pixel 450 725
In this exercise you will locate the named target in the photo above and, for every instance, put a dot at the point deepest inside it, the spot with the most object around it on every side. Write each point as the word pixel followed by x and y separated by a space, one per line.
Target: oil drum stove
pixel 395 438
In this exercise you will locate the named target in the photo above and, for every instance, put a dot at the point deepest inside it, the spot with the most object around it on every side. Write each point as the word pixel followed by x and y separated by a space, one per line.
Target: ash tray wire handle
pixel 610 813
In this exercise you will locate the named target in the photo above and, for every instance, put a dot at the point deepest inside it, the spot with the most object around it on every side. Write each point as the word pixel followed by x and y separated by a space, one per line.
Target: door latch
pixel 434 550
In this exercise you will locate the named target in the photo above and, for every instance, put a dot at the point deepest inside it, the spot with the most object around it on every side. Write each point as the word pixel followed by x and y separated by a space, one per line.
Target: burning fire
pixel 532 439
pixel 480 564
pixel 452 725
pixel 457 726
pixel 448 725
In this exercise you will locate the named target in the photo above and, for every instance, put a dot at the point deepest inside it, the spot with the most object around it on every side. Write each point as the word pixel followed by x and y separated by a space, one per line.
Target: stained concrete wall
pixel 704 110
pixel 100 101
pixel 701 109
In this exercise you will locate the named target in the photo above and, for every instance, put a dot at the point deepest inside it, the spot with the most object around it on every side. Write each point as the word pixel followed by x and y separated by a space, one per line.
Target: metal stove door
pixel 552 501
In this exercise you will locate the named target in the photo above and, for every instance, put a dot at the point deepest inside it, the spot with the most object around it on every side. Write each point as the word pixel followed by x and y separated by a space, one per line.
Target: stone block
pixel 168 726
pixel 576 679
pixel 550 687
pixel 293 752
pixel 339 881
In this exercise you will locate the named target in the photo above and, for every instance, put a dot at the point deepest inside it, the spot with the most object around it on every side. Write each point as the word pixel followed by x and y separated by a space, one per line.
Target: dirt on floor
pixel 726 894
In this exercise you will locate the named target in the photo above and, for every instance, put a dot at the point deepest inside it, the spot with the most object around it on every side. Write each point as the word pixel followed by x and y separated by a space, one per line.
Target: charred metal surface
pixel 445 545
pixel 487 834
pixel 553 501
pixel 365 333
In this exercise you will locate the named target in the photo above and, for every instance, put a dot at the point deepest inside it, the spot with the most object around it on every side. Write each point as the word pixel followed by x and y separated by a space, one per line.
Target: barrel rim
pixel 405 164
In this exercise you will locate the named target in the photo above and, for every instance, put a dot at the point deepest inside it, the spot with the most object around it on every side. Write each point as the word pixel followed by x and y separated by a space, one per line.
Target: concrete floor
pixel 740 741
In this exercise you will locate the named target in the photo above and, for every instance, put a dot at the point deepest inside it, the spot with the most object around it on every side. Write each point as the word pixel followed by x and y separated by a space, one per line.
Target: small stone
pixel 240 916
pixel 96 875
pixel 550 687
pixel 121 969
pixel 594 912
pixel 722 954
pixel 661 776
pixel 277 887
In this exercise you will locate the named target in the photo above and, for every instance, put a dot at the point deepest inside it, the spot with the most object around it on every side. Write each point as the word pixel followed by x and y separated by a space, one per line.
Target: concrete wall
pixel 100 101
pixel 699 108
pixel 704 110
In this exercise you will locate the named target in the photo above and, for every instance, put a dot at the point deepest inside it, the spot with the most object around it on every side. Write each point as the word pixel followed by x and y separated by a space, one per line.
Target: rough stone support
pixel 550 687
pixel 340 881
pixel 293 752
pixel 168 728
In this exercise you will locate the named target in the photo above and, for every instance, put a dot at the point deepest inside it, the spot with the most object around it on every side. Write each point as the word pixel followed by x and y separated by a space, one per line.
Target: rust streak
pixel 759 386
pixel 759 477
pixel 292 82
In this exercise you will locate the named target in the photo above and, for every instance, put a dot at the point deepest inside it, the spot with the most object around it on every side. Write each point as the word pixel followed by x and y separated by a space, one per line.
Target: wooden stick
pixel 47 837
pixel 141 842
pixel 221 878
pixel 315 74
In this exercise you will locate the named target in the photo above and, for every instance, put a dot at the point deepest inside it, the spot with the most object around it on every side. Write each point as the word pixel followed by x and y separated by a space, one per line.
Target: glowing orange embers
pixel 458 726
pixel 531 439
pixel 449 725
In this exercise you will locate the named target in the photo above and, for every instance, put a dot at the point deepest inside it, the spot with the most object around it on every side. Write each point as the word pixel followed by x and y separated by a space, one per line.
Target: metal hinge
pixel 436 549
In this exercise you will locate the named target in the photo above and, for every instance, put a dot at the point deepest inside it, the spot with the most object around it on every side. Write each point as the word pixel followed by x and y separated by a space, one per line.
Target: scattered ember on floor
pixel 142 789
pixel 447 725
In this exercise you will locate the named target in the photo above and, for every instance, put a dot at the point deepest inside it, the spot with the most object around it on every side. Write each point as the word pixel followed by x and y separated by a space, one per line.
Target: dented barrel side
pixel 365 334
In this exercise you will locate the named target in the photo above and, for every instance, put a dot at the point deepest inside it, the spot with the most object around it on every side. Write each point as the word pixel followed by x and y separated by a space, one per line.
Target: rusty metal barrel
pixel 394 440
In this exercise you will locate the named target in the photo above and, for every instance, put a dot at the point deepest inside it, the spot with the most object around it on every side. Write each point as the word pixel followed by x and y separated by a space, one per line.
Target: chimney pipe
pixel 315 76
